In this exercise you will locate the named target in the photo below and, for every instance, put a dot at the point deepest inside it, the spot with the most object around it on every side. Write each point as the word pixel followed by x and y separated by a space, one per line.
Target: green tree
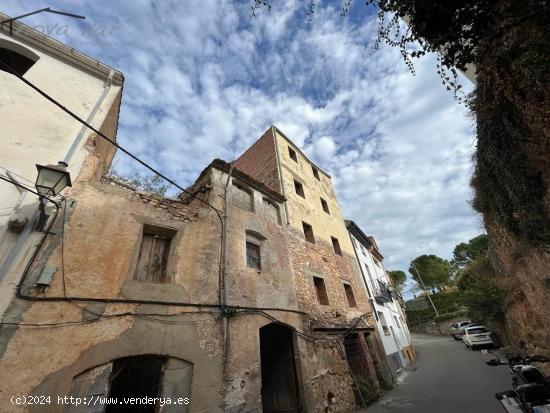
pixel 466 252
pixel 147 183
pixel 507 42
pixel 397 278
pixel 480 293
pixel 433 270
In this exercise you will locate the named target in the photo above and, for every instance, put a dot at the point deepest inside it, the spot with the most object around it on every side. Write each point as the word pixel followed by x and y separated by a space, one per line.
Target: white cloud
pixel 203 80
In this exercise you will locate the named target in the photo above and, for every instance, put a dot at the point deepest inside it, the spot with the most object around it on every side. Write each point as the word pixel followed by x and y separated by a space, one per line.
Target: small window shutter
pixel 153 255
pixel 159 256
pixel 91 383
pixel 176 382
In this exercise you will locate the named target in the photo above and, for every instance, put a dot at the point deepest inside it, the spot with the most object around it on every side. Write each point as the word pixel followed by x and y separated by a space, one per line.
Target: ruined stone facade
pixel 213 299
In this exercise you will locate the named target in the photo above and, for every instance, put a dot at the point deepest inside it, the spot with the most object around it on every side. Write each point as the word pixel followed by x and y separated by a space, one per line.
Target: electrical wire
pixel 156 172
pixel 17 175
pixel 30 190
pixel 116 145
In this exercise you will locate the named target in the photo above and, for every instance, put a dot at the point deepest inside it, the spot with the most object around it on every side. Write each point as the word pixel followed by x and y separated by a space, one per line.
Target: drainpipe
pixel 224 292
pixel 279 166
pixel 91 115
pixel 23 237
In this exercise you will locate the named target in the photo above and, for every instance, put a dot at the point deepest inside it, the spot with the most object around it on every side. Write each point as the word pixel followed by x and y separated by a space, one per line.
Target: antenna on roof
pixel 47 9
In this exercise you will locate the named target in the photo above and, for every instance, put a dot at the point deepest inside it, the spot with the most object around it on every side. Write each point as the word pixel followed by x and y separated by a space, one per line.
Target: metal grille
pixel 253 256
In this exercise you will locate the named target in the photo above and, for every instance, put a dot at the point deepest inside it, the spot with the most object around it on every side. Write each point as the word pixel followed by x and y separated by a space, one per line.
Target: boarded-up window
pixel 320 290
pixel 241 198
pixel 336 246
pixel 308 233
pixel 325 206
pixel 315 172
pixel 349 295
pixel 253 259
pixel 153 255
pixel 292 154
pixel 299 188
pixel 271 210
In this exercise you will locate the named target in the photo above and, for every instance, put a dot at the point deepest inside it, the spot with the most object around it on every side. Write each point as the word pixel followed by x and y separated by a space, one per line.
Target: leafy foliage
pixel 466 252
pixel 147 183
pixel 478 291
pixel 368 389
pixel 507 42
pixel 480 294
pixel 434 271
pixel 397 278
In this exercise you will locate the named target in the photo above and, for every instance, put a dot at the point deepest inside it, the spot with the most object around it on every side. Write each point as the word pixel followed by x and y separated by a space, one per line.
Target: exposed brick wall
pixel 260 162
pixel 319 260
pixel 103 150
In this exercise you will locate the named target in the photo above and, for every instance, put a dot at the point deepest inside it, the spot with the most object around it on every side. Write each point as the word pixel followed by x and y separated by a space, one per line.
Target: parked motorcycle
pixel 531 388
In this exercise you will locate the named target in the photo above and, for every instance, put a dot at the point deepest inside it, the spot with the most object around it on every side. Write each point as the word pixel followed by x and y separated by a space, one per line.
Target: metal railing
pixel 381 291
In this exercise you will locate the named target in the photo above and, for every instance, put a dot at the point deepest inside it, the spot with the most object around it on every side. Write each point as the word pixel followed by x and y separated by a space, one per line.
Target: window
pixel 153 254
pixel 241 197
pixel 384 324
pixel 336 246
pixel 299 188
pixel 363 251
pixel 292 154
pixel 17 61
pixel 368 271
pixel 397 323
pixel 315 172
pixel 253 255
pixel 325 206
pixel 308 233
pixel 376 262
pixel 349 295
pixel 320 290
pixel 272 210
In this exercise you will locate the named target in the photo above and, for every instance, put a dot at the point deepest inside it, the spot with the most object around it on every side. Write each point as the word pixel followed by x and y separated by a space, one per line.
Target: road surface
pixel 447 378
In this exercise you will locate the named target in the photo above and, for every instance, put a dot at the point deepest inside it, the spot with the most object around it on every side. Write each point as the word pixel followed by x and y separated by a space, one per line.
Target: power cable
pixel 120 147
pixel 155 171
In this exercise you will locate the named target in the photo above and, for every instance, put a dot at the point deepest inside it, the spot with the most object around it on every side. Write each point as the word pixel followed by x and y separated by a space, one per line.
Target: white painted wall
pixel 33 130
pixel 372 271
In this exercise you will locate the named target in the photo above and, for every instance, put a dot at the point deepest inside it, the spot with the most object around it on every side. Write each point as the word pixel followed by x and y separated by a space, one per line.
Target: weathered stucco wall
pixel 309 209
pixel 36 131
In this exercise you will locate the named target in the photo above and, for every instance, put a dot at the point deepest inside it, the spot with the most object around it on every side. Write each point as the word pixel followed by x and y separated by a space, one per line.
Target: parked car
pixel 477 336
pixel 456 330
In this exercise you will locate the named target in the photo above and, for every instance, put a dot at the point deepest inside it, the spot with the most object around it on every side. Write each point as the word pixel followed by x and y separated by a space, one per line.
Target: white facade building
pixel 38 132
pixel 390 322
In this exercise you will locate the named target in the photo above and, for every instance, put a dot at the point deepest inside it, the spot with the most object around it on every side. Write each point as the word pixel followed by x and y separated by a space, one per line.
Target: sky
pixel 204 80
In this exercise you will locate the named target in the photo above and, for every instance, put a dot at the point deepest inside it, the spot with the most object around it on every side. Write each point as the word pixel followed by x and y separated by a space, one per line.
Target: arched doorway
pixel 279 380
pixel 146 377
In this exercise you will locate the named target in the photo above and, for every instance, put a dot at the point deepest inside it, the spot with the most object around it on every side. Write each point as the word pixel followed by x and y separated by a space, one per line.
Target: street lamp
pixel 51 180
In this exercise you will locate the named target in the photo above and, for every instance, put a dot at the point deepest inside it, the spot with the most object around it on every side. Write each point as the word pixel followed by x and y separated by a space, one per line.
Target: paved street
pixel 447 378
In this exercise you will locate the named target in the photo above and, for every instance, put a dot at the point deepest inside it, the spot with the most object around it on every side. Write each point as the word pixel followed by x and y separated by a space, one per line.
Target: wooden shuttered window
pixel 153 255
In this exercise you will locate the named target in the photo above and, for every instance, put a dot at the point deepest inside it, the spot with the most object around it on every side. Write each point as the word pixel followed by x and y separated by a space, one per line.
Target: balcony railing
pixel 381 292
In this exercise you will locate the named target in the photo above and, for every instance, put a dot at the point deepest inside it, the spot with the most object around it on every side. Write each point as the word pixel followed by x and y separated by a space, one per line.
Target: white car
pixel 476 336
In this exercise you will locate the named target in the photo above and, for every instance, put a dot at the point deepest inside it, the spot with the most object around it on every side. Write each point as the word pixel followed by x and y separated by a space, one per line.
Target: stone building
pixel 242 294
pixel 390 321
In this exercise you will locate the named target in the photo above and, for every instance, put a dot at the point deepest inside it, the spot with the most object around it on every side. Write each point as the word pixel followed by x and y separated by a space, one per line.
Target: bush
pixel 368 389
